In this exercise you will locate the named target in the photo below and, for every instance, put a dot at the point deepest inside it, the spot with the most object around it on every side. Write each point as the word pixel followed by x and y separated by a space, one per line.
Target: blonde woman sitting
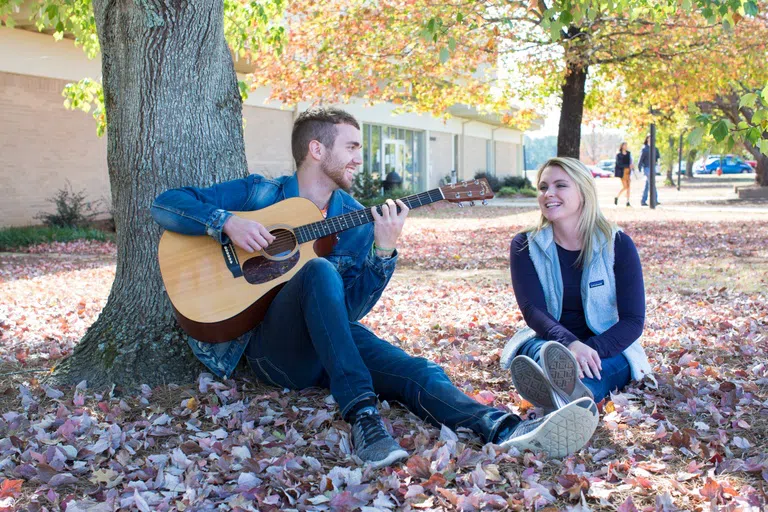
pixel 579 284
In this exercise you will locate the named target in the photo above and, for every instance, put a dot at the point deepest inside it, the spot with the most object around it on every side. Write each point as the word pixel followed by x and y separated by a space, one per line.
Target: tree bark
pixel 572 110
pixel 174 118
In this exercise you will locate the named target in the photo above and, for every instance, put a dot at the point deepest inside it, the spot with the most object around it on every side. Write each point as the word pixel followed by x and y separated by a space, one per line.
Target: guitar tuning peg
pixel 461 205
pixel 485 202
pixel 471 203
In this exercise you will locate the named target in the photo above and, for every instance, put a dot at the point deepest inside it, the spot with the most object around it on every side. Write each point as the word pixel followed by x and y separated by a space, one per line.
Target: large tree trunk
pixel 174 118
pixel 572 110
pixel 761 172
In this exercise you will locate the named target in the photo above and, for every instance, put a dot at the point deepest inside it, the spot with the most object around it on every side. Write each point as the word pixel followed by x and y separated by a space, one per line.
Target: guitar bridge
pixel 230 258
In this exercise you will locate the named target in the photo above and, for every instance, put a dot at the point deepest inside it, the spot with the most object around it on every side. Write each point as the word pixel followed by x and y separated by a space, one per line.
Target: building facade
pixel 44 145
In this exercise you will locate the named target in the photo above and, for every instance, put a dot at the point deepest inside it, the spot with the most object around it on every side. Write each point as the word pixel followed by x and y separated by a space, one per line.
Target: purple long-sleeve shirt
pixel 630 298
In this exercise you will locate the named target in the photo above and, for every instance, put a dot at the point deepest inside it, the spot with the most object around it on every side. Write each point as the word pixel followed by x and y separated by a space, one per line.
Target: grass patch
pixel 513 191
pixel 15 238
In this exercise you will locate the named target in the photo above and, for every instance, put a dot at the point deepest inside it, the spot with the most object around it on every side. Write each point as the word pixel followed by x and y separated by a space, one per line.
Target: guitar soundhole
pixel 284 243
pixel 260 269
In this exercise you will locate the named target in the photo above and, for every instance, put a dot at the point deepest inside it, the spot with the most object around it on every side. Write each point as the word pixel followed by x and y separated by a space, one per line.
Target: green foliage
pixel 514 191
pixel 517 182
pixel 18 237
pixel 72 209
pixel 752 109
pixel 493 181
pixel 87 95
pixel 395 193
pixel 366 186
pixel 247 26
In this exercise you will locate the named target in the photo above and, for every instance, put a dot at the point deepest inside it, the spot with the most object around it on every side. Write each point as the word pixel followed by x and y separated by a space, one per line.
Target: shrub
pixel 493 181
pixel 365 186
pixel 516 182
pixel 72 210
pixel 513 191
pixel 396 193
pixel 17 237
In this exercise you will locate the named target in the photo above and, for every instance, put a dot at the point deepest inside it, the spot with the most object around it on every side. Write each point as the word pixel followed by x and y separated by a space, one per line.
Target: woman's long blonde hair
pixel 592 219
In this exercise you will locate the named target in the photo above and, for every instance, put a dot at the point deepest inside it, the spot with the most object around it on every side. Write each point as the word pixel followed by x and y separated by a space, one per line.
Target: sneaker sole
pixel 563 432
pixel 390 459
pixel 531 383
pixel 560 367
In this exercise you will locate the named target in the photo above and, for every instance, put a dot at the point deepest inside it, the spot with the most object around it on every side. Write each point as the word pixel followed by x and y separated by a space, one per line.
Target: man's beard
pixel 337 171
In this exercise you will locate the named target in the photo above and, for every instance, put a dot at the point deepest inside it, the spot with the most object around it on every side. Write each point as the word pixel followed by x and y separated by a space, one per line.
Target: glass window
pixel 366 148
pixel 376 151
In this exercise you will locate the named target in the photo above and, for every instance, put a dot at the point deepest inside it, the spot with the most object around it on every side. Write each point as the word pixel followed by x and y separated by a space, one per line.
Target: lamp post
pixel 652 164
pixel 680 160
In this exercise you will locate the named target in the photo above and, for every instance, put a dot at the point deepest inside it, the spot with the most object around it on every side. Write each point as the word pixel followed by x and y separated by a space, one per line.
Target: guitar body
pixel 213 305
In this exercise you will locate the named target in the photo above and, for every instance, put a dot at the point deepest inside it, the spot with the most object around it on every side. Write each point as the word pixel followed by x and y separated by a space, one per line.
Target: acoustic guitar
pixel 219 292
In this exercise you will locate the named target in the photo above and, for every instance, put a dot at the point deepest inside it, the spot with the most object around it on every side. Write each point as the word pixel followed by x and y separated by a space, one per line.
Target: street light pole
pixel 680 161
pixel 652 163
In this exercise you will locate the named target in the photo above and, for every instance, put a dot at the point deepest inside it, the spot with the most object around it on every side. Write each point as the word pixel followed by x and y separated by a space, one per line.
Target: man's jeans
pixel 644 200
pixel 615 374
pixel 307 340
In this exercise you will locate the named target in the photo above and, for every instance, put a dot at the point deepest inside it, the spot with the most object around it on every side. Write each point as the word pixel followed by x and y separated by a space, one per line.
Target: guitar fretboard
pixel 351 220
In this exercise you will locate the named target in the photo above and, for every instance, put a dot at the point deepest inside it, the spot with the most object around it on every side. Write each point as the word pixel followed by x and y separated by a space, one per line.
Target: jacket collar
pixel 545 239
pixel 291 189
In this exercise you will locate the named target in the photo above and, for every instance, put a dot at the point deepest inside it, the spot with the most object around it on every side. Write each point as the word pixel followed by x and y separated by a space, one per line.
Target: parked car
pixel 598 172
pixel 752 163
pixel 606 165
pixel 729 164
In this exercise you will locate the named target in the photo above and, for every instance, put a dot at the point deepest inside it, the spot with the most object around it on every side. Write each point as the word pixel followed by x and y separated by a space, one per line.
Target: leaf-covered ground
pixel 696 442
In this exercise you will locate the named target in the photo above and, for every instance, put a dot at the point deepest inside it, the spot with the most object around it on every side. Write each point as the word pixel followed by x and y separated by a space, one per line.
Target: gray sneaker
pixel 562 371
pixel 531 384
pixel 558 434
pixel 372 442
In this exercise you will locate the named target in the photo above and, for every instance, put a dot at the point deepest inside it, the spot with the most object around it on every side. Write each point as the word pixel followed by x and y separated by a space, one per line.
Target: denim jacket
pixel 201 211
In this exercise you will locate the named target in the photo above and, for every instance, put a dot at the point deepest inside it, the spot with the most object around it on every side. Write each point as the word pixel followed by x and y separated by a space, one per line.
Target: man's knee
pixel 319 272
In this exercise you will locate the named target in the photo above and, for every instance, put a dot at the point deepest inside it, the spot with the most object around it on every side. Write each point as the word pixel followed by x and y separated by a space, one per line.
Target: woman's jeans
pixel 615 374
pixel 307 340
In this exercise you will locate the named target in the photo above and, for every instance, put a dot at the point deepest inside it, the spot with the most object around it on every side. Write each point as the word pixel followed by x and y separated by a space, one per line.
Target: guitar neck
pixel 351 220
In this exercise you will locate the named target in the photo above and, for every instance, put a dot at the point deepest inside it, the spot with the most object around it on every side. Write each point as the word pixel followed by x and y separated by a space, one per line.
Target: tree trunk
pixel 174 118
pixel 690 160
pixel 761 173
pixel 572 110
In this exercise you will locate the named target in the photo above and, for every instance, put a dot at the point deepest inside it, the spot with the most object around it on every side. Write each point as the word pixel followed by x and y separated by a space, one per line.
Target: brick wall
pixel 474 157
pixel 267 137
pixel 42 145
pixel 440 157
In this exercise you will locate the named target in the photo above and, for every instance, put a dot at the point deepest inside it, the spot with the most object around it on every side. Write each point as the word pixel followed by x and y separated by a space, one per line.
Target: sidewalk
pixel 699 194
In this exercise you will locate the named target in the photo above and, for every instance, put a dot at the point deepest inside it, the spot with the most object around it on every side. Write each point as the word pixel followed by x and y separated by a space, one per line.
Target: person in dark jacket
pixel 645 165
pixel 624 166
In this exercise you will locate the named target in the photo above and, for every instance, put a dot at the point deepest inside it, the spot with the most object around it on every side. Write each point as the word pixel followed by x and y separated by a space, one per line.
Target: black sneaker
pixel 558 434
pixel 372 442
pixel 616 201
pixel 643 204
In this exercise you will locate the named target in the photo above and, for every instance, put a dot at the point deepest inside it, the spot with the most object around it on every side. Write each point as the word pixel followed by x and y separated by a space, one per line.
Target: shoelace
pixel 371 427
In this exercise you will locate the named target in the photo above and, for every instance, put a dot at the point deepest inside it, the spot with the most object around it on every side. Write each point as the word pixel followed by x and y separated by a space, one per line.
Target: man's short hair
pixel 318 123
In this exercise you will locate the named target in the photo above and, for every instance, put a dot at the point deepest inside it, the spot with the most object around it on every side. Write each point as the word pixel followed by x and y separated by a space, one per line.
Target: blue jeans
pixel 306 340
pixel 615 374
pixel 647 172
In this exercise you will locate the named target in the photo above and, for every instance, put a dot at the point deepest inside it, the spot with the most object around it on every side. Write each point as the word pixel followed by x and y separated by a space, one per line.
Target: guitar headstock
pixel 474 190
